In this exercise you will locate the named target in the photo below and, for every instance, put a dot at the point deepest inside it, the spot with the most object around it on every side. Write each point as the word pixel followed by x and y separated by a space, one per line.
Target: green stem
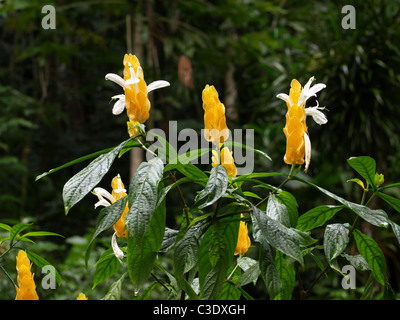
pixel 8 276
pixel 288 178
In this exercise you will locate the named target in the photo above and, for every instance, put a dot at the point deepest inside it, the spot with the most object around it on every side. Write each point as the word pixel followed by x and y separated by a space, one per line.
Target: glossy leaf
pixel 336 239
pixel 268 270
pixel 317 217
pixel 143 197
pixel 374 256
pixel 215 188
pixel 142 252
pixel 106 266
pixel 377 217
pixel 290 241
pixel 287 274
pixel 366 167
pixel 216 256
pixel 393 202
pixel 277 210
pixel 85 180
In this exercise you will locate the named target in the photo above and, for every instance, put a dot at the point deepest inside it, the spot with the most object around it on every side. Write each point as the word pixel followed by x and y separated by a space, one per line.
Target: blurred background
pixel 55 103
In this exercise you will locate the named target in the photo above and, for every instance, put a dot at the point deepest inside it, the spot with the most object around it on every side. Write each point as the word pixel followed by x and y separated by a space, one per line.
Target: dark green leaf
pixel 114 293
pixel 277 211
pixel 143 197
pixel 317 217
pixel 216 256
pixel 106 266
pixel 378 217
pixel 268 270
pixel 287 274
pixel 215 188
pixel 393 202
pixel 336 238
pixel 143 251
pixel 108 216
pixel 85 180
pixel 366 167
pixel 374 256
pixel 287 240
pixel 40 262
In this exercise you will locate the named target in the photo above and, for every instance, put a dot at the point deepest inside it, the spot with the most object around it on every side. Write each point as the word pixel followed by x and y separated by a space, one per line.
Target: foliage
pixel 54 107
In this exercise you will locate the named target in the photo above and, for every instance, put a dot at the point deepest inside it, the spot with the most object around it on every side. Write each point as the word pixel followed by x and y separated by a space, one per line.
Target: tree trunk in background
pixel 136 154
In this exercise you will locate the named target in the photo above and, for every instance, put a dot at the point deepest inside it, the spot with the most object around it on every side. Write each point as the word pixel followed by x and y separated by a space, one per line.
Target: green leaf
pixel 393 185
pixel 17 229
pixel 108 216
pixel 190 171
pixel 250 176
pixel 143 251
pixel 187 248
pixel 290 241
pixel 106 266
pixel 251 270
pixel 164 149
pixel 268 270
pixel 244 146
pixel 114 293
pixel 287 274
pixel 40 234
pixel 277 210
pixel 377 218
pixel 229 290
pixel 216 256
pixel 374 256
pixel 5 226
pixel 336 238
pixel 143 197
pixel 215 188
pixel 317 217
pixel 41 262
pixel 85 180
pixel 357 262
pixel 393 202
pixel 396 230
pixel 73 162
pixel 366 167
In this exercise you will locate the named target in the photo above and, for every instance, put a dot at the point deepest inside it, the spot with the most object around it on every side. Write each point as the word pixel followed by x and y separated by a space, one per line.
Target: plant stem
pixel 185 207
pixel 288 178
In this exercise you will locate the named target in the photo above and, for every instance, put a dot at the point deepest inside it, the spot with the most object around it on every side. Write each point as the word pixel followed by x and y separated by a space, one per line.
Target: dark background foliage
pixel 55 103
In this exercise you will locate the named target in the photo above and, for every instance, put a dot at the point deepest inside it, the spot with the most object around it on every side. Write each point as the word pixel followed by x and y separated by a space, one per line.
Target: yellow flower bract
pixel 136 100
pixel 243 242
pixel 26 289
pixel 295 127
pixel 216 130
pixel 119 226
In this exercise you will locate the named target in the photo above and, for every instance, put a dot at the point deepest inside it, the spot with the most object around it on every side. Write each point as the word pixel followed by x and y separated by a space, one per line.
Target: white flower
pixel 309 91
pixel 119 105
pixel 117 251
pixel 317 115
pixel 305 94
pixel 101 194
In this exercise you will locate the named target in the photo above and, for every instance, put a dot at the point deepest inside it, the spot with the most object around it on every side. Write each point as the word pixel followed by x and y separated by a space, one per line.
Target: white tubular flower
pixel 101 194
pixel 119 106
pixel 117 251
pixel 317 115
pixel 307 147
pixel 309 91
